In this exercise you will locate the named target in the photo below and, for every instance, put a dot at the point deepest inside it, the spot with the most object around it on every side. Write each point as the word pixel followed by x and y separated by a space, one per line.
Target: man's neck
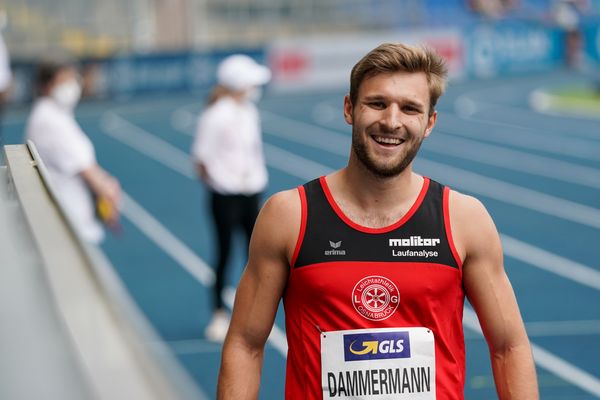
pixel 373 201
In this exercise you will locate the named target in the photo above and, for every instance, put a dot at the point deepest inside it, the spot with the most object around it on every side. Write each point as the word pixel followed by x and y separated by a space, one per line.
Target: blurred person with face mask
pixel 228 154
pixel 87 193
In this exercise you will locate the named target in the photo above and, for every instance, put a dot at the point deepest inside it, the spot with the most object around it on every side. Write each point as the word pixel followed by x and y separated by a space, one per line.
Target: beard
pixel 381 169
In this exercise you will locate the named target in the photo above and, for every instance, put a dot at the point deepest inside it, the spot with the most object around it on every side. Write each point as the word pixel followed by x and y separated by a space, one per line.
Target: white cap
pixel 240 72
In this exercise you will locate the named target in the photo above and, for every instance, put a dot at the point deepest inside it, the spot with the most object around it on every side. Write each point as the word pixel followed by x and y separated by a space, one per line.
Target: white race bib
pixel 386 363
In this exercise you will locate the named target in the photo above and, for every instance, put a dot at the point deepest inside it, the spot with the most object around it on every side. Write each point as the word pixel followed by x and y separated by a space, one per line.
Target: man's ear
pixel 348 109
pixel 431 123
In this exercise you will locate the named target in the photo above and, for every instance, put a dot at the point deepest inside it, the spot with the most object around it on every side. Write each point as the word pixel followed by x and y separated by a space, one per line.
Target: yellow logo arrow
pixel 368 347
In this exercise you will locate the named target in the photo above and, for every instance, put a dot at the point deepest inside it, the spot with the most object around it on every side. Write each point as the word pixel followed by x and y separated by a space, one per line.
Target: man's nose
pixel 392 118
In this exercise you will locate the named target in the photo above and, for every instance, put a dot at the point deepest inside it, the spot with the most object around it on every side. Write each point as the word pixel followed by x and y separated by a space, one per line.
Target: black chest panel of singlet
pixel 422 238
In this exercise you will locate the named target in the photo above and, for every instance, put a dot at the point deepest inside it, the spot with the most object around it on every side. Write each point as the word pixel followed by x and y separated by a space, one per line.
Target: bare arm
pixel 492 296
pixel 258 296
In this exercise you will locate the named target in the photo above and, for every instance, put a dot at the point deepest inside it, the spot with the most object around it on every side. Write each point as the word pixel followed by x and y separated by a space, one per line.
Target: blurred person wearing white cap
pixel 228 155
pixel 85 191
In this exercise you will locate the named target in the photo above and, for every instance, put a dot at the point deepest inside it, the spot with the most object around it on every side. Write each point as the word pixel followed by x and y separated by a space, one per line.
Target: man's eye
pixel 377 104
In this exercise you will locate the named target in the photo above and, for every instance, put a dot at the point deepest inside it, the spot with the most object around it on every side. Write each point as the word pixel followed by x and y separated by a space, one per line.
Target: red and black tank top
pixel 346 277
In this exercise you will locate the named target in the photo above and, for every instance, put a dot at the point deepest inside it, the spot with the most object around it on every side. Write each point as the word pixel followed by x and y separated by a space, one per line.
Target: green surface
pixel 577 100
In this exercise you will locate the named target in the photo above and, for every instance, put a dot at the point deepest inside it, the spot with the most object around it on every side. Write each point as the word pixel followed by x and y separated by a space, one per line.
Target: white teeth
pixel 387 140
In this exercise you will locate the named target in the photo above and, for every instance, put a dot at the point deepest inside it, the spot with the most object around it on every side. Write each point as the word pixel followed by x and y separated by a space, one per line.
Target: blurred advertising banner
pixel 325 62
pixel 155 73
pixel 137 74
pixel 509 48
pixel 475 51
pixel 591 34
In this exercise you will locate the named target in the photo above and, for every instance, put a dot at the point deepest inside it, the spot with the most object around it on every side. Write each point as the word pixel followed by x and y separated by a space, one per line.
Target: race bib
pixel 387 363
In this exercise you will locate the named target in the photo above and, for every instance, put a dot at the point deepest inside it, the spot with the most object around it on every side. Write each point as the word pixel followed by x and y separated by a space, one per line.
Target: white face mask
pixel 67 94
pixel 254 95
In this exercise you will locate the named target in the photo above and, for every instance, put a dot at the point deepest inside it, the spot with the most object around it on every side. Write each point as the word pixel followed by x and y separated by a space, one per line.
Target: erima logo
pixel 376 346
pixel 335 246
pixel 414 241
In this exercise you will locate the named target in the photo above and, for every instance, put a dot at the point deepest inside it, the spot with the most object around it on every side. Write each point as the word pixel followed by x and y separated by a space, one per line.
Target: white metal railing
pixel 109 350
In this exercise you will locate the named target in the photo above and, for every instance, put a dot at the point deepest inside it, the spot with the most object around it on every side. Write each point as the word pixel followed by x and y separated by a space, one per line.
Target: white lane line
pixel 466 106
pixel 170 156
pixel 543 358
pixel 526 138
pixel 555 329
pixel 293 164
pixel 566 370
pixel 551 262
pixel 563 328
pixel 515 160
pixel 124 131
pixel 337 143
pixel 156 232
pixel 512 194
pixel 183 255
pixel 547 360
pixel 307 133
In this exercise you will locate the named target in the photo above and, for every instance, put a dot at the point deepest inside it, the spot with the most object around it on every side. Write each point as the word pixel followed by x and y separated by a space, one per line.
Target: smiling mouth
pixel 388 141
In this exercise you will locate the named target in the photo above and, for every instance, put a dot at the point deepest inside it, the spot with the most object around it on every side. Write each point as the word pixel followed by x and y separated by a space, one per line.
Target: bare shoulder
pixel 463 205
pixel 279 221
pixel 282 208
pixel 471 223
pixel 286 201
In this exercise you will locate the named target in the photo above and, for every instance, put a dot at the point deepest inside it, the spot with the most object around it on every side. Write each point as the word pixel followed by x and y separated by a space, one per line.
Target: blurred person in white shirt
pixel 85 190
pixel 228 155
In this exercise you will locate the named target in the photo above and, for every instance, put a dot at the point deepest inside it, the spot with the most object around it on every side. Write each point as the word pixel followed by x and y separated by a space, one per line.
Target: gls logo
pixel 335 249
pixel 376 346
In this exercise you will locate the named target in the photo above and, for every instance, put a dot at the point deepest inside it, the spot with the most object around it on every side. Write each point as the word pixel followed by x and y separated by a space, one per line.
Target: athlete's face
pixel 389 121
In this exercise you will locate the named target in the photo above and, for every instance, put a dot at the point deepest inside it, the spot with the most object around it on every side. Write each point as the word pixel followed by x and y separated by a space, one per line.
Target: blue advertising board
pixel 138 74
pixel 591 37
pixel 154 73
pixel 511 48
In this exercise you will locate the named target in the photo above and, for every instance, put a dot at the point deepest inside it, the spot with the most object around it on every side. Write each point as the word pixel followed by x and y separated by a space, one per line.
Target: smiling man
pixel 374 261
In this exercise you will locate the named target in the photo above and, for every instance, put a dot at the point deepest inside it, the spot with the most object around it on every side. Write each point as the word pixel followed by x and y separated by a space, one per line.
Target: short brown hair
pixel 393 57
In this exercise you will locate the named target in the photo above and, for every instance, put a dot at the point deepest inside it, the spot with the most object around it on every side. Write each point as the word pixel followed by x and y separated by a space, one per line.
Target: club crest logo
pixel 375 297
